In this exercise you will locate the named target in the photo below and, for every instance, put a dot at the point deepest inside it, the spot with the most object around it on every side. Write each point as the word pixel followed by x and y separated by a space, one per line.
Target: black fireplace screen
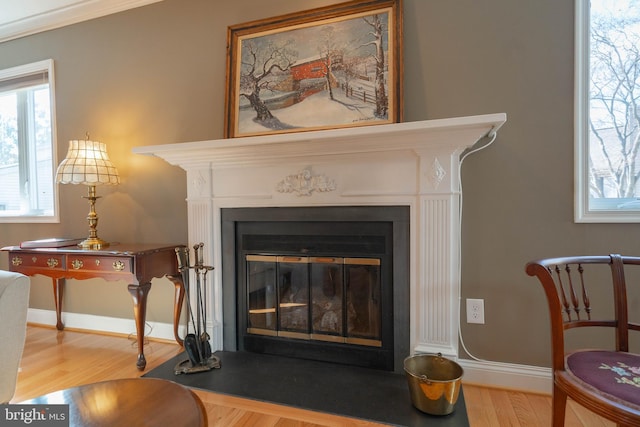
pixel 331 299
pixel 325 283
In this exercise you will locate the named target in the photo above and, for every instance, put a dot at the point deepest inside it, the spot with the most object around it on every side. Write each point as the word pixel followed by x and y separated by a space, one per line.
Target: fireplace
pixel 323 283
pixel 414 165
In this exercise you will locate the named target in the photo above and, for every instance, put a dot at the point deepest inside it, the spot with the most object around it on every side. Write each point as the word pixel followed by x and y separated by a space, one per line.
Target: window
pixel 27 144
pixel 607 123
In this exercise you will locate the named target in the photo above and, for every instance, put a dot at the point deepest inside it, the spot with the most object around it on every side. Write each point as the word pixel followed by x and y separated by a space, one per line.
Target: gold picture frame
pixel 331 67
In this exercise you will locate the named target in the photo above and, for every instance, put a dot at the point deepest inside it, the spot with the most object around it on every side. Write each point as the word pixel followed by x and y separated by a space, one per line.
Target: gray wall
pixel 156 75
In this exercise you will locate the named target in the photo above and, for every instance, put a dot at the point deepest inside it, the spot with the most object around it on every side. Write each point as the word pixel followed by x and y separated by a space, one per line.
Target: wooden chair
pixel 603 380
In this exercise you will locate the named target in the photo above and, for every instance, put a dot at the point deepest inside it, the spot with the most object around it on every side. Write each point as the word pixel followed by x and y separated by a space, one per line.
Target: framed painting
pixel 331 67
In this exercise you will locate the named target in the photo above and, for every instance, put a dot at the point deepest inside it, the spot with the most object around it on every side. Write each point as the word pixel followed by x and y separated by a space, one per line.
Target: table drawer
pixel 34 259
pixel 99 263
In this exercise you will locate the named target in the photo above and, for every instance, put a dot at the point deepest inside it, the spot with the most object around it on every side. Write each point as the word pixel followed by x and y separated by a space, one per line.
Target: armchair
pixel 589 293
pixel 14 302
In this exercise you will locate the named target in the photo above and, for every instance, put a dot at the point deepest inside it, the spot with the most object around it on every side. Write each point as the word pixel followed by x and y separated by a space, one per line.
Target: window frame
pixel 583 212
pixel 30 69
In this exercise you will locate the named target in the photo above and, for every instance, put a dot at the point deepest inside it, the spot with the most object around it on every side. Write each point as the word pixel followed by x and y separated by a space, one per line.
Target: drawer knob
pixel 118 265
pixel 52 262
pixel 16 260
pixel 77 264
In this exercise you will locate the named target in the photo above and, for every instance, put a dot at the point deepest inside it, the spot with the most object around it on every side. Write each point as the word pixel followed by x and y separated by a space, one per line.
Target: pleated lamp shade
pixel 88 163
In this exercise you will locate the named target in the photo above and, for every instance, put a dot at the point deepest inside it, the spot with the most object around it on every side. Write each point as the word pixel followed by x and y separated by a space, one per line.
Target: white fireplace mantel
pixel 413 164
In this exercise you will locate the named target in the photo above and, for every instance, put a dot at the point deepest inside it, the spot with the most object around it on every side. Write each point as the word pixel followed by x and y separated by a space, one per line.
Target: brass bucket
pixel 434 383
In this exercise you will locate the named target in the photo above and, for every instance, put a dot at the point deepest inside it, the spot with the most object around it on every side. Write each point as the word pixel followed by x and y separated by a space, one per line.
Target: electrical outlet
pixel 475 311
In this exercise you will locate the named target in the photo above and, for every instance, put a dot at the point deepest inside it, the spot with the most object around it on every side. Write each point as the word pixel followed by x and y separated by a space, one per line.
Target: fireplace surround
pixel 412 164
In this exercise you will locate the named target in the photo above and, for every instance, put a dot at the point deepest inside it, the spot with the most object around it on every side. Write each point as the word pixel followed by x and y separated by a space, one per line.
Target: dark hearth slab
pixel 319 386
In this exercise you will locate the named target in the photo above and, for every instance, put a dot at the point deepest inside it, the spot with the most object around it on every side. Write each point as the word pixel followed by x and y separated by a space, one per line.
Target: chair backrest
pixel 14 302
pixel 569 283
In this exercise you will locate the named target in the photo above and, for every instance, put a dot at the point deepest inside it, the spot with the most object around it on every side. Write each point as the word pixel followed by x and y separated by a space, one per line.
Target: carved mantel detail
pixel 304 183
pixel 437 173
pixel 199 183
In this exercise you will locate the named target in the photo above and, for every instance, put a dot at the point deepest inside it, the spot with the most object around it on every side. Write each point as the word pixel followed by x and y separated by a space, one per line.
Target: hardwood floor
pixel 55 360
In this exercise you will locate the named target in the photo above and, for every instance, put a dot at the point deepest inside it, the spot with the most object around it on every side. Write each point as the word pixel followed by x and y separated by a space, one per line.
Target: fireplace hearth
pixel 321 283
pixel 414 165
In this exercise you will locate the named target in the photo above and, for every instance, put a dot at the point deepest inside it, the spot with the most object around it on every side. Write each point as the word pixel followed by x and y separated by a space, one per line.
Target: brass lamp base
pixel 93 243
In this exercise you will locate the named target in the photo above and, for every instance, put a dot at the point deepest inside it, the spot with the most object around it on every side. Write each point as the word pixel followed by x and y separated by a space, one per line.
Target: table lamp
pixel 88 163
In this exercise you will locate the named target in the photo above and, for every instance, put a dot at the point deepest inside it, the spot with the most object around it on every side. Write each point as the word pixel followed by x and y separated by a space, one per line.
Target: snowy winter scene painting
pixel 320 69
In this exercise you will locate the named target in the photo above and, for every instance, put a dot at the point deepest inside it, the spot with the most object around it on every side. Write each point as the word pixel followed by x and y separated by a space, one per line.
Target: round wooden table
pixel 129 402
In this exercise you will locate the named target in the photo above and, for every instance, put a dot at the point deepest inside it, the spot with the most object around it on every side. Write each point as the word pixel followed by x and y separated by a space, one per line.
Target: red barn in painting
pixel 313 67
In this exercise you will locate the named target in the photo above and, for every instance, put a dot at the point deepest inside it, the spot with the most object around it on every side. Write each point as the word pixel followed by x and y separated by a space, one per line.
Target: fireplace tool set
pixel 196 342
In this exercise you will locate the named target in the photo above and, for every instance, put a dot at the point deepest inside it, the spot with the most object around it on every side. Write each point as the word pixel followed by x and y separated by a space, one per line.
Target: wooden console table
pixel 136 264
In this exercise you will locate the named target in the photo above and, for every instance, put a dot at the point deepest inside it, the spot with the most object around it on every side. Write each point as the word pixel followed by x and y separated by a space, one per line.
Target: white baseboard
pixel 91 322
pixel 507 375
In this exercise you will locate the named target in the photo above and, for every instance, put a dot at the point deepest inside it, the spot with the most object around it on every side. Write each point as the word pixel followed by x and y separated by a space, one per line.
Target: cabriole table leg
pixel 177 305
pixel 139 294
pixel 58 290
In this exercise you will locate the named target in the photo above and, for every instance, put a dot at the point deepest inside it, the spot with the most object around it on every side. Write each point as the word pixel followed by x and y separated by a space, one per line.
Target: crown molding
pixel 71 12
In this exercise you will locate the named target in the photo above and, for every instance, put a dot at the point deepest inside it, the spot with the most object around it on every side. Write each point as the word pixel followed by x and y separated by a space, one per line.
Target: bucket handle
pixel 423 378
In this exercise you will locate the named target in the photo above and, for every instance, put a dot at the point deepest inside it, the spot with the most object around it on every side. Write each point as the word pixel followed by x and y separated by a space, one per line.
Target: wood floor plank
pixel 541 407
pixel 522 409
pixel 56 360
pixel 506 412
pixel 292 414
pixel 579 416
pixel 479 403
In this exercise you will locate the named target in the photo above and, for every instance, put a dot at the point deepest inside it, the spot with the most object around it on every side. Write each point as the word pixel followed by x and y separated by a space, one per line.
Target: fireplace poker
pixel 196 344
pixel 182 253
pixel 197 250
pixel 205 335
pixel 190 340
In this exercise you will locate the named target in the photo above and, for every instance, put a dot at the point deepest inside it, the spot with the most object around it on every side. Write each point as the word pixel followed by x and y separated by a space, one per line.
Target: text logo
pixel 34 415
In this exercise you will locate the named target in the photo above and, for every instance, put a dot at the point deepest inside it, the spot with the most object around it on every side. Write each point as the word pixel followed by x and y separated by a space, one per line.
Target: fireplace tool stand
pixel 196 343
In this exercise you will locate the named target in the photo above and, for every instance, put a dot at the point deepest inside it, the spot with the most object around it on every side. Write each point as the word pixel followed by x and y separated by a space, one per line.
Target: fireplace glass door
pixel 293 296
pixel 331 299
